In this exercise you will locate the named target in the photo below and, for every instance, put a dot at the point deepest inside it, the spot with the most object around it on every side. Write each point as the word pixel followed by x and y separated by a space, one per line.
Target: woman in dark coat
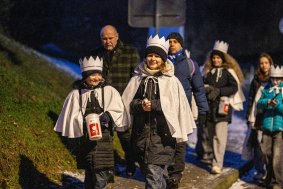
pixel 157 106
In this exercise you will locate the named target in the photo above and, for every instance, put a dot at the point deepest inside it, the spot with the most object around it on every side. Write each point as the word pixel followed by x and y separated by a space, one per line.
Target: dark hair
pixel 177 36
pixel 218 53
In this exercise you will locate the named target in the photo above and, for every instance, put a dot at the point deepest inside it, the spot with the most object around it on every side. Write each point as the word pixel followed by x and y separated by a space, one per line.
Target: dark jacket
pixel 192 81
pixel 151 139
pixel 96 155
pixel 227 86
pixel 255 85
pixel 118 65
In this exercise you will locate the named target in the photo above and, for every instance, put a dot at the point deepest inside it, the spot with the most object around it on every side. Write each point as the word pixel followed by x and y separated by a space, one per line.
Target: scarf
pixel 172 57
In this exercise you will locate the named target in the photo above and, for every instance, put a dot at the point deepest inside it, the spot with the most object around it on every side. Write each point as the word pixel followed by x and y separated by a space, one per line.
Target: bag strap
pixel 191 68
pixel 81 101
pixel 191 64
pixel 102 93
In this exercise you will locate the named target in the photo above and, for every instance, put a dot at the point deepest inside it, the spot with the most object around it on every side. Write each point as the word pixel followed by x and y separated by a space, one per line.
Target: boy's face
pixel 276 81
pixel 94 79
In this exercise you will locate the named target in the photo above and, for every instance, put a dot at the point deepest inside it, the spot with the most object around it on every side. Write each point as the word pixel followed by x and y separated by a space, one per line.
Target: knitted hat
pixel 90 66
pixel 158 46
pixel 177 36
pixel 276 71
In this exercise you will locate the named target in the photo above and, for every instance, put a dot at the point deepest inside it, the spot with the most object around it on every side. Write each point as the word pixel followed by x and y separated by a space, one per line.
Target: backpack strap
pixel 81 101
pixel 191 64
pixel 191 68
pixel 102 91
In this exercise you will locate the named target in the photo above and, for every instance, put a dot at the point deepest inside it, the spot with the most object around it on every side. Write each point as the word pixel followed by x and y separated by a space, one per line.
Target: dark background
pixel 249 26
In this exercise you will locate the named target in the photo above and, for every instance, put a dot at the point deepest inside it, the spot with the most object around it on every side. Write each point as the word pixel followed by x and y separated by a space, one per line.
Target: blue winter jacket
pixel 273 116
pixel 192 83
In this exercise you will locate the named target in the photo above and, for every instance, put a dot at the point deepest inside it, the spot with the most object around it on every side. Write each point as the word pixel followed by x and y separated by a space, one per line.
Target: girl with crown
pixel 222 78
pixel 158 109
pixel 271 104
pixel 92 96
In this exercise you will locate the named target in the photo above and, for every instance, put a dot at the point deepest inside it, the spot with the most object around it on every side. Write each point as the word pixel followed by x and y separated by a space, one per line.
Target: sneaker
pixel 259 176
pixel 216 170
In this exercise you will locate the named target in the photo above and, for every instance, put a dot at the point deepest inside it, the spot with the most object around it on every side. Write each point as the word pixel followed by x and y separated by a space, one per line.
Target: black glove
pixel 105 119
pixel 201 120
pixel 208 88
pixel 212 95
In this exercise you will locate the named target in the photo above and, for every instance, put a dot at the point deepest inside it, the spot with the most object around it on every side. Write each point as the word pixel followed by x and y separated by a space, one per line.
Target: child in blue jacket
pixel 271 103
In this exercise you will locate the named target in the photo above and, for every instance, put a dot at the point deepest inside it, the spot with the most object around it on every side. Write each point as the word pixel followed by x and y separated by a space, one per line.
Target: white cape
pixel 238 98
pixel 70 121
pixel 174 105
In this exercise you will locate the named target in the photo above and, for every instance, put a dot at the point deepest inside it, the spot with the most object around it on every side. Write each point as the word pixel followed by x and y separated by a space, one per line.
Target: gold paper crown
pixel 221 46
pixel 159 42
pixel 91 64
pixel 276 71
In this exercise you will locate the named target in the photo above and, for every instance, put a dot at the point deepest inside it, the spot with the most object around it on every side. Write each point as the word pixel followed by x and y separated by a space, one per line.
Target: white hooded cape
pixel 174 105
pixel 70 121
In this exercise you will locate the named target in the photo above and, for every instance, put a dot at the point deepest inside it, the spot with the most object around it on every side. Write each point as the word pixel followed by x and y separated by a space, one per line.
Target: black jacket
pixel 96 155
pixel 151 139
pixel 227 86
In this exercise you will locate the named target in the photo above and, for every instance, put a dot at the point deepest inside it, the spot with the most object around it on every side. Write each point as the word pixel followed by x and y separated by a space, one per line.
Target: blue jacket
pixel 273 116
pixel 192 83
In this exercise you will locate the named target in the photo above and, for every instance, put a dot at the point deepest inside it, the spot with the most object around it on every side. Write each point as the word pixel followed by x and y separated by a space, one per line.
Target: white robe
pixel 174 105
pixel 70 121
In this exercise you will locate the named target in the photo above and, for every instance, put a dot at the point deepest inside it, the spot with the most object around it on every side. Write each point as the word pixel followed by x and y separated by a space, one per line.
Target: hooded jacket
pixel 273 115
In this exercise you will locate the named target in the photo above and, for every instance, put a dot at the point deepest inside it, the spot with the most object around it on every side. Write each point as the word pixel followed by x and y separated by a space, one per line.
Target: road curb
pixel 228 178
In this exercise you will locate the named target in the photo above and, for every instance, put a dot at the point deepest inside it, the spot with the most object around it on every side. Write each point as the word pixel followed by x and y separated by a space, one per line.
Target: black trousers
pixel 125 140
pixel 179 159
